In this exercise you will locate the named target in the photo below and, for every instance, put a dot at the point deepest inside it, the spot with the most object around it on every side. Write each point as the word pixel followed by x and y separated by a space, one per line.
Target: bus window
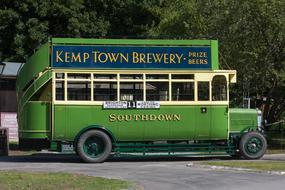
pixel 126 76
pixel 203 91
pixel 78 76
pixel 105 76
pixel 131 91
pixel 182 91
pixel 105 91
pixel 78 90
pixel 182 76
pixel 219 88
pixel 156 76
pixel 59 90
pixel 59 75
pixel 157 91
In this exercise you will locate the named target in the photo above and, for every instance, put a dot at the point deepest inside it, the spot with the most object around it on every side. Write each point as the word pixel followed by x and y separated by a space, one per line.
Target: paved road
pixel 152 174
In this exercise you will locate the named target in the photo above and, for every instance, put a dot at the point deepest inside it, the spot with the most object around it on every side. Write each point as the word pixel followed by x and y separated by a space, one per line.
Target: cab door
pixel 203 118
pixel 219 128
pixel 203 111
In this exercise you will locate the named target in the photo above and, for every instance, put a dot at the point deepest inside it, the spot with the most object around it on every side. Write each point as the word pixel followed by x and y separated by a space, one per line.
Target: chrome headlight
pixel 259 120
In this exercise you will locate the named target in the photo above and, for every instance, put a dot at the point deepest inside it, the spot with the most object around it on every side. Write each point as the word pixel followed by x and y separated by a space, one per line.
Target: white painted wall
pixel 9 120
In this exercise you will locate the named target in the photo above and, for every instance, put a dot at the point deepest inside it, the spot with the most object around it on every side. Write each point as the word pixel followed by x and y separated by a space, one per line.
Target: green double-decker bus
pixel 102 97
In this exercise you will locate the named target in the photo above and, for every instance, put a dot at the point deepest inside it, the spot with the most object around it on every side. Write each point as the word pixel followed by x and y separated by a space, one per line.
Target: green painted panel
pixel 219 122
pixel 203 122
pixel 215 54
pixel 241 119
pixel 60 121
pixel 129 130
pixel 130 41
pixel 185 128
pixel 35 120
pixel 166 123
pixel 34 135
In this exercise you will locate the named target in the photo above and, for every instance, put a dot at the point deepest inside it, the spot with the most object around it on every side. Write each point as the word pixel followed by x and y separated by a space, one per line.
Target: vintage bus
pixel 102 97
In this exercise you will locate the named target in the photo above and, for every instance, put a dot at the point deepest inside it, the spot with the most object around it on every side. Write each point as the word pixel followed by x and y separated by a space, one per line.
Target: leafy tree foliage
pixel 25 24
pixel 251 36
pixel 127 18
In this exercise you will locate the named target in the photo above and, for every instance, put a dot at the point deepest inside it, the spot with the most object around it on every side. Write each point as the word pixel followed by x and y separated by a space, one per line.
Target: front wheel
pixel 252 145
pixel 94 146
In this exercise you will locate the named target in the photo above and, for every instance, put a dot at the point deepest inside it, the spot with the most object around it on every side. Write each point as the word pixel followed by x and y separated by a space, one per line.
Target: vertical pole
pixel 248 103
pixel 4 142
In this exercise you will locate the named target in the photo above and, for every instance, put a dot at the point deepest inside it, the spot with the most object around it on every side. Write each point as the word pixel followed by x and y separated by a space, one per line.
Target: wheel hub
pixel 254 145
pixel 93 147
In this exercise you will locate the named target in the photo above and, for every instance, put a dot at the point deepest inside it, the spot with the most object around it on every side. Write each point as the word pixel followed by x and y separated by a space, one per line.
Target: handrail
pixel 42 79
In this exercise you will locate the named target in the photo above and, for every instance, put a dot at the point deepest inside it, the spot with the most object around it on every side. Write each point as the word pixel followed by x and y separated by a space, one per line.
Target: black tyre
pixel 252 145
pixel 94 146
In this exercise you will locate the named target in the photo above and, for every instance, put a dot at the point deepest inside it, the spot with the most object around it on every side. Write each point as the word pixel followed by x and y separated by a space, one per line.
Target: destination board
pixel 131 105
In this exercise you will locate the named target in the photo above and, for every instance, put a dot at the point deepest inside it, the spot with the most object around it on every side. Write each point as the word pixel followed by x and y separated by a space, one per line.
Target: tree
pixel 128 18
pixel 257 51
pixel 27 24
pixel 251 36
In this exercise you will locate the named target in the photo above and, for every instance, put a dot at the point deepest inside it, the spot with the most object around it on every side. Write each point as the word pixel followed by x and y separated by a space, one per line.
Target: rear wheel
pixel 252 145
pixel 94 146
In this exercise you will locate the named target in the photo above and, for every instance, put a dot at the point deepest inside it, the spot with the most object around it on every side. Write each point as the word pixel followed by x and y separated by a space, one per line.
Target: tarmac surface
pixel 179 173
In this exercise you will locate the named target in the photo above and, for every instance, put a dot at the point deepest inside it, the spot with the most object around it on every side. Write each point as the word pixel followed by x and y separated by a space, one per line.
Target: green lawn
pixel 275 151
pixel 45 181
pixel 255 165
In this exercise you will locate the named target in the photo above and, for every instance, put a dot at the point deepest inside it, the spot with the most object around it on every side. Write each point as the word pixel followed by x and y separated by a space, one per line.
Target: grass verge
pixel 49 181
pixel 275 151
pixel 255 165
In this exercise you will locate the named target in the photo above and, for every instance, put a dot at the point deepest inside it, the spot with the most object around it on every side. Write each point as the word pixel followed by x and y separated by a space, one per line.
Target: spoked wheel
pixel 94 146
pixel 252 145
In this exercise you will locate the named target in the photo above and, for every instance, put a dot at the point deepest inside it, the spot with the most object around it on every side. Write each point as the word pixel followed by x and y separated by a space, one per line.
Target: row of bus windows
pixel 124 76
pixel 133 91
